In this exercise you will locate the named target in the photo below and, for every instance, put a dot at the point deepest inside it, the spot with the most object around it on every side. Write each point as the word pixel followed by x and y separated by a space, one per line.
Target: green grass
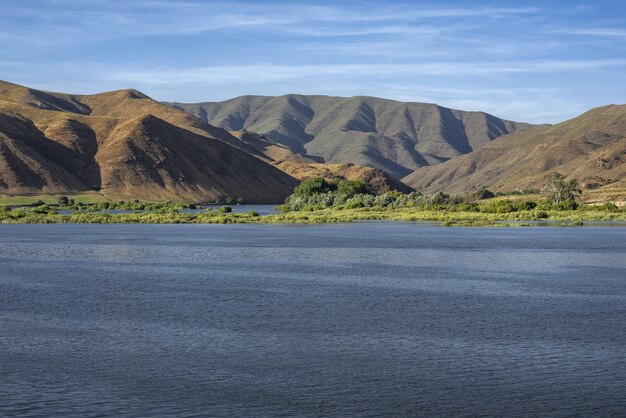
pixel 21 200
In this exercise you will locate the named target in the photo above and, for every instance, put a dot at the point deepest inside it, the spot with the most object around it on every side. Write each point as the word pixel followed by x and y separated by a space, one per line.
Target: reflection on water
pixel 331 320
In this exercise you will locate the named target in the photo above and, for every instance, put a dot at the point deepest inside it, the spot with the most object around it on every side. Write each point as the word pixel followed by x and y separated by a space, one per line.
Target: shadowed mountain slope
pixel 123 143
pixel 393 136
pixel 302 167
pixel 590 148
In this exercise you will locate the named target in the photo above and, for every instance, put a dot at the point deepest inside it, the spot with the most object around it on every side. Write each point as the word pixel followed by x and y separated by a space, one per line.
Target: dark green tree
pixel 312 186
pixel 350 188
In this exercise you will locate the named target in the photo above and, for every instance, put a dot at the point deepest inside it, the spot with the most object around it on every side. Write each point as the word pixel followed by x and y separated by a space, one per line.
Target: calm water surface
pixel 338 320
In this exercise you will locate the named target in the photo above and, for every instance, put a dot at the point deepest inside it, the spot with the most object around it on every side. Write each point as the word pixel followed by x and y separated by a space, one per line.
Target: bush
pixel 354 204
pixel 525 205
pixel 312 186
pixel 484 193
pixel 468 207
pixel 225 209
pixel 608 207
pixel 63 201
pixel 498 206
pixel 350 188
pixel 566 205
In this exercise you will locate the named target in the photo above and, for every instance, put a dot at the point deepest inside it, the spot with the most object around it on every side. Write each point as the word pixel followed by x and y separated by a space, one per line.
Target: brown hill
pixel 393 136
pixel 123 143
pixel 590 148
pixel 302 167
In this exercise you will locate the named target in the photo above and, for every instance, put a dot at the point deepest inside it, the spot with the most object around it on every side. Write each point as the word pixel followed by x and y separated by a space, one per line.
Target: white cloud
pixel 599 31
pixel 255 73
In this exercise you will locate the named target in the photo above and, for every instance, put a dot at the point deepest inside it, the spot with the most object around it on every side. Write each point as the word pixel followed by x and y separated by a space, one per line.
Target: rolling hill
pixel 590 148
pixel 392 136
pixel 124 144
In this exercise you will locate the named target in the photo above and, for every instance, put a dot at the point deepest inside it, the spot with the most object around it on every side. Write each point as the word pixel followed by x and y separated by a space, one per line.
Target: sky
pixel 526 61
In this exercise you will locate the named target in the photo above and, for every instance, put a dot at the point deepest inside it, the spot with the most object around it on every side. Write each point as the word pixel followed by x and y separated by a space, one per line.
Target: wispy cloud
pixel 473 55
pixel 102 19
pixel 598 31
pixel 215 75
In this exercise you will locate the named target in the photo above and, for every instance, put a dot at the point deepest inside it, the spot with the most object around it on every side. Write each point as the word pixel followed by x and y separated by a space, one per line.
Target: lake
pixel 365 319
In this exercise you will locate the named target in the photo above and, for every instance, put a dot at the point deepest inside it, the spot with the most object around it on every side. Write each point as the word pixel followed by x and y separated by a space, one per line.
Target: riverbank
pixel 445 217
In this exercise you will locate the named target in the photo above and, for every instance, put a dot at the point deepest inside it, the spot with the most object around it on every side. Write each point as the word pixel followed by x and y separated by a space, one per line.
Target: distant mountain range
pixel 124 144
pixel 393 136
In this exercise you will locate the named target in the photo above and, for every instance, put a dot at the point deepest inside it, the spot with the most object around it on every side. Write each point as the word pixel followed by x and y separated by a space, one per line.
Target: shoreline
pixel 530 218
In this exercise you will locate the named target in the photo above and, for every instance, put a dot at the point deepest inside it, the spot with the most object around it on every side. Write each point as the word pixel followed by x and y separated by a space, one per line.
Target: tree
pixel 561 190
pixel 63 201
pixel 350 188
pixel 312 186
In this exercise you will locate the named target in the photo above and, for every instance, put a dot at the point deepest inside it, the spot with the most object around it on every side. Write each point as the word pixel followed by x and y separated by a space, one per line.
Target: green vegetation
pixel 320 201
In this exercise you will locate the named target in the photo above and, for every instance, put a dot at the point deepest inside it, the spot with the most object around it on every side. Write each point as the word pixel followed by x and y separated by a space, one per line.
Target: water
pixel 334 320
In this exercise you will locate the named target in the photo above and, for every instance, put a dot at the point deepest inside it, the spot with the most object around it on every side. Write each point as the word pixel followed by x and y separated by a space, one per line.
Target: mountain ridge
pixel 397 137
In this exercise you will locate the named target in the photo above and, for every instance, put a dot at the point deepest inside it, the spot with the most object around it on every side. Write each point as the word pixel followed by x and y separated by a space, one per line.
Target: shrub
pixel 63 201
pixel 315 185
pixel 484 193
pixel 608 207
pixel 498 206
pixel 525 205
pixel 565 205
pixel 350 188
pixel 354 204
pixel 468 207
pixel 225 209
pixel 385 199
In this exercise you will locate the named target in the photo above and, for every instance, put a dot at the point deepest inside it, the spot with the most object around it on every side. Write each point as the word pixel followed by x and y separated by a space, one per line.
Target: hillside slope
pixel 590 148
pixel 123 143
pixel 393 136
pixel 302 167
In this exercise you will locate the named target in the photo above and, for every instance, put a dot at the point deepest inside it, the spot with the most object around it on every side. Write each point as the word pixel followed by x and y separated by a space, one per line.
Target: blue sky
pixel 529 61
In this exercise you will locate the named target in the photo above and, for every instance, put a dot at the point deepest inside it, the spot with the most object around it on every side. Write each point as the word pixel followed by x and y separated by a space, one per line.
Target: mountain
pixel 393 136
pixel 124 144
pixel 590 148
pixel 302 167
